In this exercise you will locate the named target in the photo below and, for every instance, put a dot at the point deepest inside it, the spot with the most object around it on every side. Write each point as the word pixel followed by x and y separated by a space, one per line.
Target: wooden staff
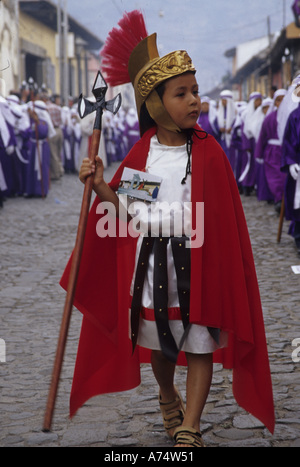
pixel 85 107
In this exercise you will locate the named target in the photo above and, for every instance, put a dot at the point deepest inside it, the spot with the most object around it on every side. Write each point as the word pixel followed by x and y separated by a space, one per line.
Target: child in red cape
pixel 190 298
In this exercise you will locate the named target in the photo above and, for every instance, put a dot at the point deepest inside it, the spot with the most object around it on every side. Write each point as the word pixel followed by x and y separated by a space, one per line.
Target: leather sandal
pixel 172 413
pixel 188 436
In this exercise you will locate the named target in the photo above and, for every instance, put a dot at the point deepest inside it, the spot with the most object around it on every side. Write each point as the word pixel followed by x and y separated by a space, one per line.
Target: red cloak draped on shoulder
pixel 224 291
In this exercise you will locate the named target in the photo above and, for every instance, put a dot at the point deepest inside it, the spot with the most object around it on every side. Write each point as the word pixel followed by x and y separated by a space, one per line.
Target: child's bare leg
pixel 164 371
pixel 200 369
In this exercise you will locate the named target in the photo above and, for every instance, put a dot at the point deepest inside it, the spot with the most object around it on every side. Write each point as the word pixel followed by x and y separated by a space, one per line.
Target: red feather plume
pixel 119 46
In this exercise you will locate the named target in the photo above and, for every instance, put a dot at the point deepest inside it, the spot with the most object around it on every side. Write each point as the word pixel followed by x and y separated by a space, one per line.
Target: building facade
pixel 40 40
pixel 9 46
pixel 265 63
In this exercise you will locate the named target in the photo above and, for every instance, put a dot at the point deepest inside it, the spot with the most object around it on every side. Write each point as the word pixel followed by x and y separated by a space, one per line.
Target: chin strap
pixel 200 134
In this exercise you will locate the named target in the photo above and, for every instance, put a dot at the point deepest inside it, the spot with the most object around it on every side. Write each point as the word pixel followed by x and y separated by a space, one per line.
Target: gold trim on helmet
pixel 147 70
pixel 173 64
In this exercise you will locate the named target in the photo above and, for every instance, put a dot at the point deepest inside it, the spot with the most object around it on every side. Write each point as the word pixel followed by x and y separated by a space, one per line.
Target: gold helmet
pixel 131 46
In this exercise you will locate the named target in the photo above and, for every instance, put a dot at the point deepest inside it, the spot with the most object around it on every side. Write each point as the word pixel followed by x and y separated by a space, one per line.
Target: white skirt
pixel 198 340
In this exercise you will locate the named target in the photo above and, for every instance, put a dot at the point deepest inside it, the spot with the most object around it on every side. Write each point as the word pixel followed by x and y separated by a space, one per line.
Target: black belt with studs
pixel 182 262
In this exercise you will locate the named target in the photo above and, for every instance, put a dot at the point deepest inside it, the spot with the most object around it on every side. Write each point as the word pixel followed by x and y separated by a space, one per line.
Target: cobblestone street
pixel 36 239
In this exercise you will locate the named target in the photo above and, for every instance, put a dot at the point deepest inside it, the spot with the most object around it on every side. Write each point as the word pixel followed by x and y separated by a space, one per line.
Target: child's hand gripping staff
pixel 85 107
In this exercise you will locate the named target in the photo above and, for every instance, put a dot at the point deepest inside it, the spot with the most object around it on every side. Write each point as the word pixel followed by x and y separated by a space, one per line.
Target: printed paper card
pixel 139 185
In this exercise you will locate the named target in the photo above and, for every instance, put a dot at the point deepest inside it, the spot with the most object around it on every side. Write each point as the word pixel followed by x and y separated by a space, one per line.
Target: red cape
pixel 224 291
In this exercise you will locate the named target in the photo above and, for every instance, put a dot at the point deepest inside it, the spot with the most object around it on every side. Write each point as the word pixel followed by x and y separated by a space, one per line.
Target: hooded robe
pixel 268 149
pixel 291 155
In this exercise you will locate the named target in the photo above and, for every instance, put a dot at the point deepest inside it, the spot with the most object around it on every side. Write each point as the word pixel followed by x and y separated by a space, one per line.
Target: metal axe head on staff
pixel 86 107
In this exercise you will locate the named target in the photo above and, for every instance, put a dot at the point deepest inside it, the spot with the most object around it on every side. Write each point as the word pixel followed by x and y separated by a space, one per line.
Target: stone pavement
pixel 36 238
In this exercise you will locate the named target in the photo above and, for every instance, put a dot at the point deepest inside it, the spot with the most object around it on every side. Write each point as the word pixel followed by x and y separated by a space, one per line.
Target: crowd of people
pixel 261 139
pixel 41 140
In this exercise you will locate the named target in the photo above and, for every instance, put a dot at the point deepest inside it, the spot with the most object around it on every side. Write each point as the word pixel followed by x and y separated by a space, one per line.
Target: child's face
pixel 257 102
pixel 278 100
pixel 182 101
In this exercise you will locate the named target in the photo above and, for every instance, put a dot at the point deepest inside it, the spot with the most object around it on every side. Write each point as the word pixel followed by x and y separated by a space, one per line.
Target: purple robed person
pixel 290 164
pixel 67 129
pixel 24 146
pixel 225 118
pixel 248 177
pixel 21 125
pixel 4 142
pixel 120 142
pixel 296 7
pixel 109 138
pixel 291 156
pixel 132 129
pixel 20 159
pixel 3 183
pixel 38 168
pixel 236 150
pixel 208 117
pixel 76 138
pixel 268 149
pixel 68 159
pixel 133 135
pixel 11 164
pixel 7 158
pixel 205 123
pixel 37 179
pixel 262 189
pixel 296 11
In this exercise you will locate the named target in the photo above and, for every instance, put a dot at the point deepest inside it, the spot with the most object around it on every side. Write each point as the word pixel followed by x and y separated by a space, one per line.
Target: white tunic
pixel 169 163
